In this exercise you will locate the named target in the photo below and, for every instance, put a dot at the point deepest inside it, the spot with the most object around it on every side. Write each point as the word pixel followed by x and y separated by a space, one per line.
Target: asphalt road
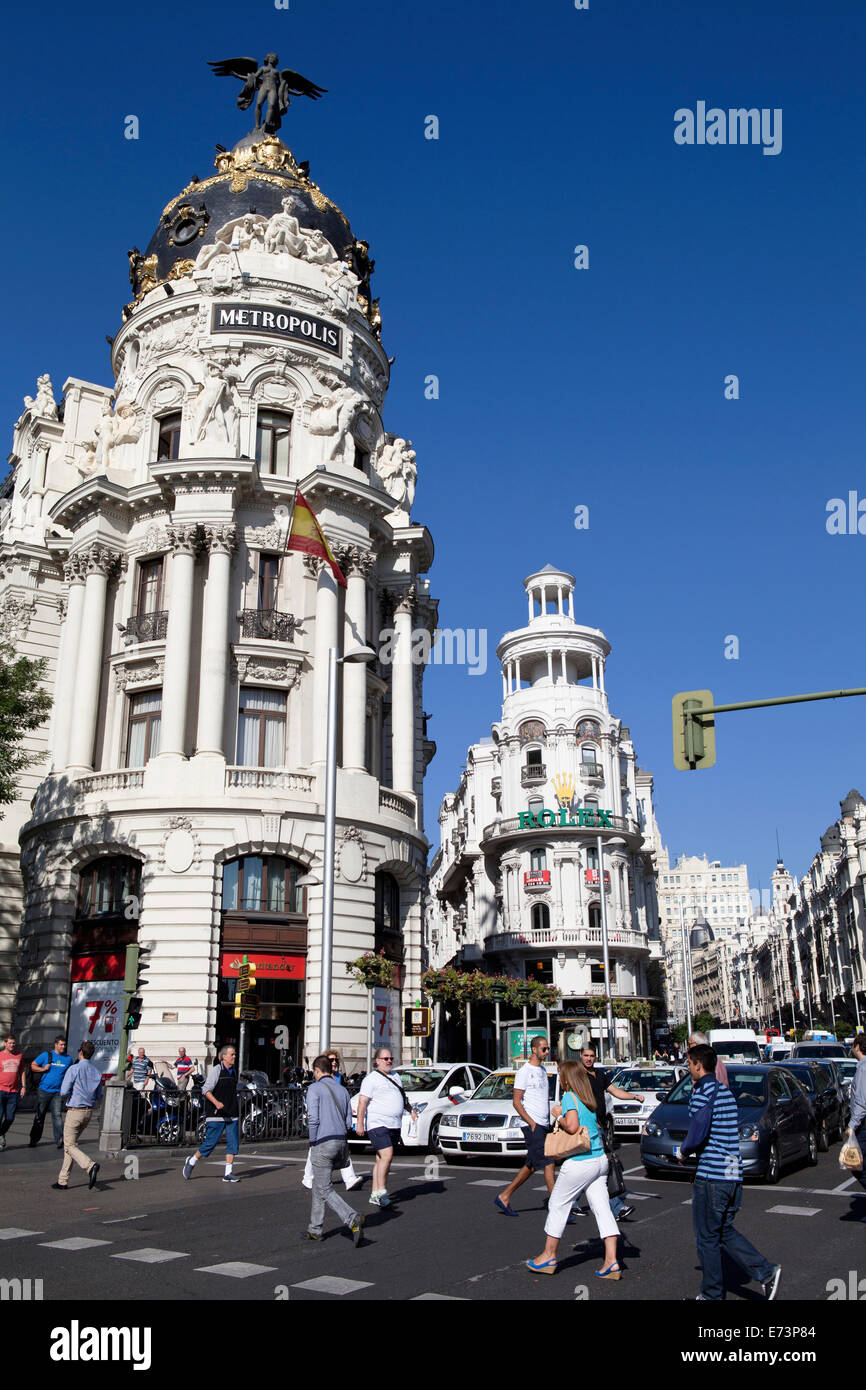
pixel 145 1233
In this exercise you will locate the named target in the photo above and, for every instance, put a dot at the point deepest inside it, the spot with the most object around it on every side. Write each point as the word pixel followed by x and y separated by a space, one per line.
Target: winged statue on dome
pixel 268 84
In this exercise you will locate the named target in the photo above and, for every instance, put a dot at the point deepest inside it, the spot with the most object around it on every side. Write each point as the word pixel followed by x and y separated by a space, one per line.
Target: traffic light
pixel 246 999
pixel 133 1013
pixel 694 732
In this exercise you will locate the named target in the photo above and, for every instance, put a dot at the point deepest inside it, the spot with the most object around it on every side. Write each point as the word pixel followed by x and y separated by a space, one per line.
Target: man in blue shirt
pixel 717 1193
pixel 50 1067
pixel 81 1088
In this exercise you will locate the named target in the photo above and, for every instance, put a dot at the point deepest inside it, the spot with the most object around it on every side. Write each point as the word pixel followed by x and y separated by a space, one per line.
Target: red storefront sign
pixel 538 878
pixel 108 966
pixel 268 967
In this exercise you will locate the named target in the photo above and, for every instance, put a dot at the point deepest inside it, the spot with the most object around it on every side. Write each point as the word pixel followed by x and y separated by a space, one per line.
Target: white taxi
pixel 487 1122
pixel 630 1116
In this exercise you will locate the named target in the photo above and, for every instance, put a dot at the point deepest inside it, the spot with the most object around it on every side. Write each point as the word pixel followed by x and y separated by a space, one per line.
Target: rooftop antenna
pixel 778 848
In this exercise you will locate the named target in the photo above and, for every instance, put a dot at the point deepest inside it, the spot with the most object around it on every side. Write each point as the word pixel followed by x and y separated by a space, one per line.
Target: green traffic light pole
pixel 692 716
pixel 111 1134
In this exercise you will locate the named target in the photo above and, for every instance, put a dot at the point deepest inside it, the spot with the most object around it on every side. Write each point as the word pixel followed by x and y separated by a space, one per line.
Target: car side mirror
pixel 457 1091
pixel 662 1095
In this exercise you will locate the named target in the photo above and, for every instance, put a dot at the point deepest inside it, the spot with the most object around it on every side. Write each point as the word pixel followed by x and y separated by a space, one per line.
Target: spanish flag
pixel 306 534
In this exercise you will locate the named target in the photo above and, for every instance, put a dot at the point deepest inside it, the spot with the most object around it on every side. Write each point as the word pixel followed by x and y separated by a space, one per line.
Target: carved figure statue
pixel 283 233
pixel 112 430
pixel 45 404
pixel 143 272
pixel 398 471
pixel 268 85
pixel 247 233
pixel 217 414
pixel 333 415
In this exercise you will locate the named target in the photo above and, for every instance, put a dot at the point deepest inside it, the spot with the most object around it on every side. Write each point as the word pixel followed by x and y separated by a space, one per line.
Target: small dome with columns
pixel 552 649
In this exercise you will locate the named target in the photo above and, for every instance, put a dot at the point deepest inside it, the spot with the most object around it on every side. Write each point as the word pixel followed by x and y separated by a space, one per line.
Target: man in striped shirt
pixel 717 1193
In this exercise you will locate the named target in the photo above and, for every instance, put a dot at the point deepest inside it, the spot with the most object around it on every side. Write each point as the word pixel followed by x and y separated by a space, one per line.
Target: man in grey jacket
pixel 329 1117
pixel 857 1126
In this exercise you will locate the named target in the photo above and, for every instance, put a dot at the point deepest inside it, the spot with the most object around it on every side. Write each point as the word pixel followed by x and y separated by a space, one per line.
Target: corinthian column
pixel 358 565
pixel 74 573
pixel 325 639
pixel 97 564
pixel 184 541
pixel 220 542
pixel 403 696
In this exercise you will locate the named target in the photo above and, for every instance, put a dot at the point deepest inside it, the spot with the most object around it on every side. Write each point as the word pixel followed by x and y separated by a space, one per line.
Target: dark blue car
pixel 777 1124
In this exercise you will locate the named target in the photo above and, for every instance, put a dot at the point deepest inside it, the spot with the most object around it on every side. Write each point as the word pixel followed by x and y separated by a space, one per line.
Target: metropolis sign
pixel 588 815
pixel 277 323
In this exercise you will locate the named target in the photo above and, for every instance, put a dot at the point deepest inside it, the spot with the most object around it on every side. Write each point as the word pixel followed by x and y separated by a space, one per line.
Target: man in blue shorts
pixel 532 1103
pixel 221 1113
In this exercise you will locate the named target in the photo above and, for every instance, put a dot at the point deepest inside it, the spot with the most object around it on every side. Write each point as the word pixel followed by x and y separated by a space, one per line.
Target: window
pixel 362 459
pixel 263 883
pixel 149 587
pixel 261 728
pixel 588 753
pixel 596 973
pixel 541 970
pixel 536 806
pixel 533 757
pixel 538 860
pixel 269 579
pixel 388 929
pixel 145 717
pixel 540 917
pixel 592 857
pixel 168 439
pixel 273 436
pixel 107 885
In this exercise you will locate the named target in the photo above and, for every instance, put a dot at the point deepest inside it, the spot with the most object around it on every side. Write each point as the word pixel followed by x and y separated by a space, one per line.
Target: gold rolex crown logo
pixel 563 785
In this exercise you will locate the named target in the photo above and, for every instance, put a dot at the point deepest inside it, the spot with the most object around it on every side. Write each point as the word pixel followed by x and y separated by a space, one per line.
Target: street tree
pixel 24 705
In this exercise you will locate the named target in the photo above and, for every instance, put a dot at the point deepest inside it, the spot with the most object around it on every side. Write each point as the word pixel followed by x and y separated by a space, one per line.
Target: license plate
pixel 479 1136
pixel 628 1124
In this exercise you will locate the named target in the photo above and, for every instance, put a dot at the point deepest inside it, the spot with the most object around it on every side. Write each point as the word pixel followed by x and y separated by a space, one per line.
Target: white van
pixel 735 1044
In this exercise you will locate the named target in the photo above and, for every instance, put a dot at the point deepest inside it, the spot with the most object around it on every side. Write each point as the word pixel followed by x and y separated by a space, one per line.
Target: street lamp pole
pixel 686 968
pixel 605 952
pixel 854 992
pixel 334 660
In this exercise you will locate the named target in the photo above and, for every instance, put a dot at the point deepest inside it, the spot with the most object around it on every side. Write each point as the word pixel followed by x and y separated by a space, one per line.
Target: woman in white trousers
pixel 585 1172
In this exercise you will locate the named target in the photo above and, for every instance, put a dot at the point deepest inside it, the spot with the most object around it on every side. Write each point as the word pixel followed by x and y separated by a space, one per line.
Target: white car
pixel 432 1091
pixel 487 1122
pixel 630 1116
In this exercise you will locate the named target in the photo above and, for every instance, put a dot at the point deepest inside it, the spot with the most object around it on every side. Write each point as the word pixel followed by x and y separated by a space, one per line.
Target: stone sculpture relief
pixel 398 471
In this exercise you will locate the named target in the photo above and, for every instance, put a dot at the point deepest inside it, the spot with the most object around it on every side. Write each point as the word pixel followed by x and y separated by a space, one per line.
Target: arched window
pixel 588 753
pixel 533 757
pixel 531 731
pixel 540 917
pixel 273 442
pixel 587 728
pixel 108 887
pixel 168 437
pixel 389 932
pixel 535 805
pixel 538 860
pixel 595 916
pixel 263 883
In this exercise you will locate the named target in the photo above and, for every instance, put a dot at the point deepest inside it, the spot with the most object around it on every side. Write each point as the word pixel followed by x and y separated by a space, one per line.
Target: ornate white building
pixel 143 534
pixel 517 881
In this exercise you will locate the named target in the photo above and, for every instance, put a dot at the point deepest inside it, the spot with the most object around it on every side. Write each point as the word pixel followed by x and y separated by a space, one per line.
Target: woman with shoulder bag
pixel 581 1172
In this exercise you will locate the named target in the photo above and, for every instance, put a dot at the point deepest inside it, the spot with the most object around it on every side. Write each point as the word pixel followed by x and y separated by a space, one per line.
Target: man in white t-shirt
pixel 532 1103
pixel 381 1104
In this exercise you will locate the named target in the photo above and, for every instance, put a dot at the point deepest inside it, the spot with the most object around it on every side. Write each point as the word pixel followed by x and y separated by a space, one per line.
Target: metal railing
pixel 564 936
pixel 146 627
pixel 268 623
pixel 592 772
pixel 531 773
pixel 177 1118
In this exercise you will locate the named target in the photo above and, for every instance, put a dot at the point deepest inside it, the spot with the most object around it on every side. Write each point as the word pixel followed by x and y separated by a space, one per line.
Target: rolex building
pixel 179 799
pixel 551 829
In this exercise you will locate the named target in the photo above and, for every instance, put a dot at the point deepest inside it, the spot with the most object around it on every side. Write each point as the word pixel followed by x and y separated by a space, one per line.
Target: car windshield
pixel 847 1066
pixel 500 1086
pixel 804 1075
pixel 821 1050
pixel 644 1080
pixel 749 1088
pixel 427 1079
pixel 737 1050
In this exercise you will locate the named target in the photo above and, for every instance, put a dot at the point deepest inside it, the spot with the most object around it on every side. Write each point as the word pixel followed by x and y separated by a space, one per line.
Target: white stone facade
pixel 141 551
pixel 513 892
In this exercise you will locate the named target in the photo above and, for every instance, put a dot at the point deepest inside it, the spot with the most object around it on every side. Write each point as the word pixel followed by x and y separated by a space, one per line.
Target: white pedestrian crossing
pixel 16 1232
pixel 73 1243
pixel 236 1269
pixel 151 1255
pixel 330 1283
pixel 488 1182
pixel 794 1211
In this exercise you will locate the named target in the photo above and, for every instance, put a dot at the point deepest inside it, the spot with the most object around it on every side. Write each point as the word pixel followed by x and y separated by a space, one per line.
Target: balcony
pixel 145 627
pixel 393 801
pixel 268 624
pixel 510 826
pixel 269 779
pixel 591 772
pixel 537 878
pixel 124 779
pixel 565 936
pixel 532 774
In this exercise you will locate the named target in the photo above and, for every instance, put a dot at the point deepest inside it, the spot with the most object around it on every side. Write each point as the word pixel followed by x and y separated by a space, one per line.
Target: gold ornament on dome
pixel 563 785
pixel 179 269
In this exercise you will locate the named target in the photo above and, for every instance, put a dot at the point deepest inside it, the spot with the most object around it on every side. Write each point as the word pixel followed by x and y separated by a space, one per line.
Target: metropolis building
pixel 517 883
pixel 144 523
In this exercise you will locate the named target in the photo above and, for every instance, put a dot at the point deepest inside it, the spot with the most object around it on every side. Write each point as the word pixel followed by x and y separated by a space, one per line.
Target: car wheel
pixel 433 1141
pixel 651 1172
pixel 823 1137
pixel 812 1150
pixel 771 1176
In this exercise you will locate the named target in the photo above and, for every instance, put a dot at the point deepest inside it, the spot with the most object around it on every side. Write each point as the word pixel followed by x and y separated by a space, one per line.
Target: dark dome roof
pixel 256 175
pixel 700 935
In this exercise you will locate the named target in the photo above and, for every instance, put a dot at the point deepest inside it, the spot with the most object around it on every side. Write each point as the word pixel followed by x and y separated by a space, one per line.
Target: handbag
pixel 615 1176
pixel 559 1144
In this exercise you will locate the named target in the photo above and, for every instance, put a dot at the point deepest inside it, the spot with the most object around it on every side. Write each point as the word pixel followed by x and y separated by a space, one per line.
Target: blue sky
pixel 557 387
